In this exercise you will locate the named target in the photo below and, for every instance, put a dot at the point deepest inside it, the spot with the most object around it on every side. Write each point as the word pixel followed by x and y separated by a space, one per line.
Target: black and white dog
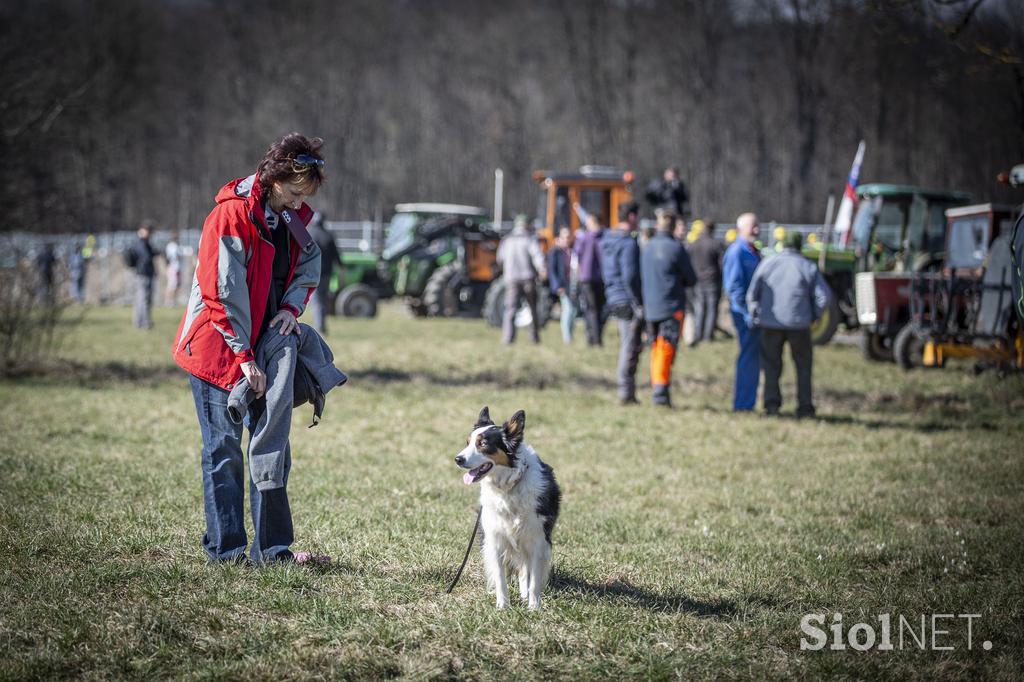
pixel 519 499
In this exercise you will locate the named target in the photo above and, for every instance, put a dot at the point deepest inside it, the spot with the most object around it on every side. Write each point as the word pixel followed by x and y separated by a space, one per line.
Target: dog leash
pixel 458 574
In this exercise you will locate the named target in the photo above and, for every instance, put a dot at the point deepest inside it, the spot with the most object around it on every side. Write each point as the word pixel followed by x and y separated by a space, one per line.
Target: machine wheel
pixel 908 348
pixel 875 347
pixel 441 295
pixel 494 305
pixel 494 302
pixel 357 300
pixel 824 329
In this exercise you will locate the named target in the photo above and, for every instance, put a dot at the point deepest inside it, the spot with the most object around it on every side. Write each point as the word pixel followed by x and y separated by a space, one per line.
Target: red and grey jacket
pixel 234 269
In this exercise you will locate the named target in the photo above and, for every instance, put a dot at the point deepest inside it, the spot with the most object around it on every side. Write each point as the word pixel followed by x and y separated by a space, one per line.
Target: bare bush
pixel 34 318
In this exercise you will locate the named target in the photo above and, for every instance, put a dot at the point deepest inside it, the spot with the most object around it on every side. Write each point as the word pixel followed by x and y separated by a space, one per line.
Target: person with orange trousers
pixel 665 272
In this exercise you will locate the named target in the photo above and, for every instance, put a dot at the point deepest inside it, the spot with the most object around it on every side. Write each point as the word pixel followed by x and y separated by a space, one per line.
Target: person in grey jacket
pixel 665 272
pixel 522 264
pixel 787 293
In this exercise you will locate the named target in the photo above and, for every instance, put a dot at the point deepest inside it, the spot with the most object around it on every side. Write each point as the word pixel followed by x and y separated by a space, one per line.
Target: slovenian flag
pixel 845 216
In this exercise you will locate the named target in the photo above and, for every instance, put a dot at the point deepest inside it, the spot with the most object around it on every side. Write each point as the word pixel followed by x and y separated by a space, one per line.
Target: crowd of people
pixel 648 281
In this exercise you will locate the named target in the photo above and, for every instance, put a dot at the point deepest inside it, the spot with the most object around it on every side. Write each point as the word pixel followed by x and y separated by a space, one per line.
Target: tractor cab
pixel 897 230
pixel 971 231
pixel 440 257
pixel 599 190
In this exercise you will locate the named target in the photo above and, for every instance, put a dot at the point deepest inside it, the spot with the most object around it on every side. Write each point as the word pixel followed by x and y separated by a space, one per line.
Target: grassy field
pixel 691 542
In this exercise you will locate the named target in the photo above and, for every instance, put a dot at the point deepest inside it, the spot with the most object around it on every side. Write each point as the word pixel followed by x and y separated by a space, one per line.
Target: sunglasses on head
pixel 306 160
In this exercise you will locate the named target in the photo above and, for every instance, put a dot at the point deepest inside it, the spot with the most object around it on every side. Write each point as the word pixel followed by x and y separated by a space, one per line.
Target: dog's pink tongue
pixel 467 478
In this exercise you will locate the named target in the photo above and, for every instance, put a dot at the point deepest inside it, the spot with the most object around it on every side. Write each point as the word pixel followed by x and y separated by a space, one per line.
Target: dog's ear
pixel 484 419
pixel 512 431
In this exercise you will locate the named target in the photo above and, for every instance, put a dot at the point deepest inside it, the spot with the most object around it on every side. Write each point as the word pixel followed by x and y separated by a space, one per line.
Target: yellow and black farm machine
pixel 967 309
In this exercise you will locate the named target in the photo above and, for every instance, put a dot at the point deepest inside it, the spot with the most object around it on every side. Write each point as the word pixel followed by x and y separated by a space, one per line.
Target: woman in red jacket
pixel 255 272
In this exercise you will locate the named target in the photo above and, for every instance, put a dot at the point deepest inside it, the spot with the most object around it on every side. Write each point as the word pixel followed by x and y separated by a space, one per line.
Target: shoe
pixel 302 558
pixel 307 559
pixel 629 400
pixel 770 413
pixel 806 414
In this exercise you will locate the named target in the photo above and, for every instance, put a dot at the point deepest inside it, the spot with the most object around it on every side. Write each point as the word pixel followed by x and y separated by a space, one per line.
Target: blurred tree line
pixel 115 110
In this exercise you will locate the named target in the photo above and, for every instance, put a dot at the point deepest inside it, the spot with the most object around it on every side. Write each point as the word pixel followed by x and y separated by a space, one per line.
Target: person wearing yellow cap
pixel 779 236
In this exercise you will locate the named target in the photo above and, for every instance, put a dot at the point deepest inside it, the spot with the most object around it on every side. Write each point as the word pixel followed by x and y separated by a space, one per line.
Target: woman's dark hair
pixel 293 159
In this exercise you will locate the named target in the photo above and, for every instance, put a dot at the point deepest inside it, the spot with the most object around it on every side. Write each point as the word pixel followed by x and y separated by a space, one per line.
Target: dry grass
pixel 691 543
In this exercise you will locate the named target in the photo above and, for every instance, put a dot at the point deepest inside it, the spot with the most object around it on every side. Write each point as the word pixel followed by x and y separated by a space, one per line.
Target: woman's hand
pixel 288 322
pixel 257 379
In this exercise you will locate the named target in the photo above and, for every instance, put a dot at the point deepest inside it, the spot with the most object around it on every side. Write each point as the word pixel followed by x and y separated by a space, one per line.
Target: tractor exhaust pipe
pixel 499 191
pixel 827 236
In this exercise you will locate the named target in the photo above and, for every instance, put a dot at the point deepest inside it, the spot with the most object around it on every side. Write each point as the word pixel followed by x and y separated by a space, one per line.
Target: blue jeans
pixel 568 316
pixel 224 486
pixel 748 364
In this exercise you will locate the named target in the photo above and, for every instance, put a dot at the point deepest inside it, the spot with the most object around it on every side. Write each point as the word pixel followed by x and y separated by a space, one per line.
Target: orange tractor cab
pixel 599 190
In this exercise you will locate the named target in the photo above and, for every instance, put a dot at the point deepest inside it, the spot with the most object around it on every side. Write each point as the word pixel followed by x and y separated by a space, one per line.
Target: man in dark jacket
pixel 665 270
pixel 329 257
pixel 46 261
pixel 561 278
pixel 142 257
pixel 591 279
pixel 668 193
pixel 620 258
pixel 706 255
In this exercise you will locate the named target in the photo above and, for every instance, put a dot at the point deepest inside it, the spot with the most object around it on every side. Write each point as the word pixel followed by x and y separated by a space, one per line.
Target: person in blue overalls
pixel 739 263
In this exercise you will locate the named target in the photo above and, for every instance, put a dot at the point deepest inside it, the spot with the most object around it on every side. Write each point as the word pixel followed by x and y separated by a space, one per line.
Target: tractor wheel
pixel 875 347
pixel 908 348
pixel 494 302
pixel 357 300
pixel 544 303
pixel 824 329
pixel 494 305
pixel 441 295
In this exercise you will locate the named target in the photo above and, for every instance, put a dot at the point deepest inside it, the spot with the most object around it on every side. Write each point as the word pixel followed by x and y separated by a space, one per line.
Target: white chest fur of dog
pixel 519 500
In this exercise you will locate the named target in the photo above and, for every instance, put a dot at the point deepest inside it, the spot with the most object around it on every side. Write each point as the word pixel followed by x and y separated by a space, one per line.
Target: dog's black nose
pixel 460 460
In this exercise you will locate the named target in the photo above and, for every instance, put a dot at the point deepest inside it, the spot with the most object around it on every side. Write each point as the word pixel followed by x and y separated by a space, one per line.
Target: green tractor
pixel 359 285
pixel 441 258
pixel 896 229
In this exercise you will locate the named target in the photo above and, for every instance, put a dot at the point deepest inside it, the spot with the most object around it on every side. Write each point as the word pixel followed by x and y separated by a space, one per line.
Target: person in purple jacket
pixel 591 280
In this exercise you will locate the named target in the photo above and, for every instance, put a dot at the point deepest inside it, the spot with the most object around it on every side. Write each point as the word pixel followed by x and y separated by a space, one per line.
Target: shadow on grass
pixel 930 426
pixel 97 375
pixel 626 594
pixel 539 378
